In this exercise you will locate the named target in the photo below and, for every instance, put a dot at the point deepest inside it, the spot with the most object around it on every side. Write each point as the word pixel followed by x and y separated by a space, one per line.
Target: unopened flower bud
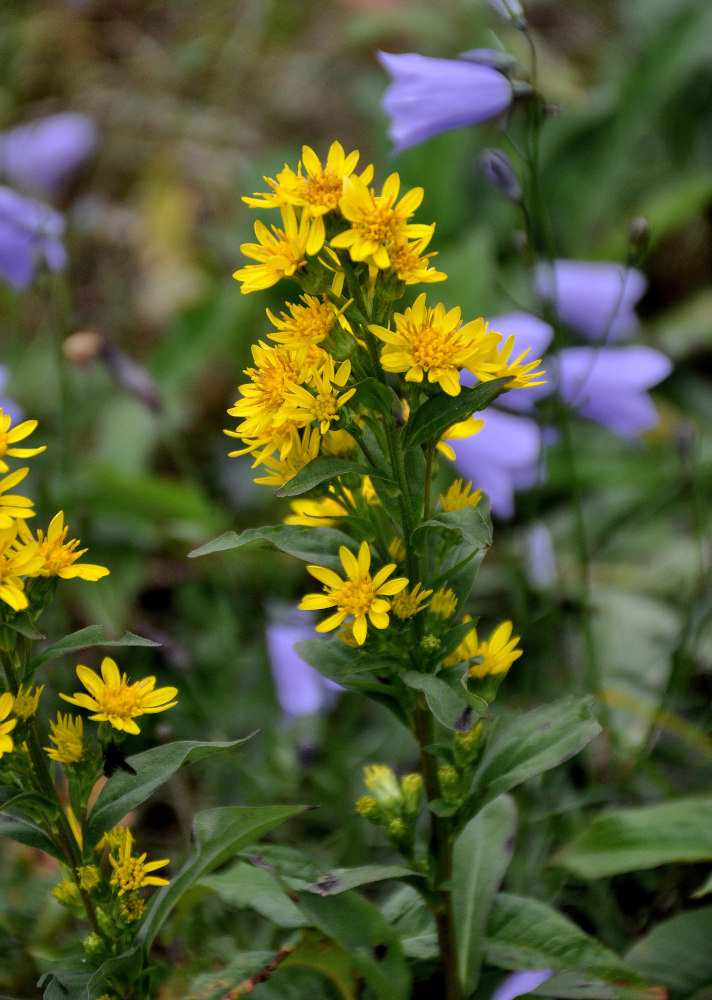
pixel 497 169
pixel 411 786
pixel 501 61
pixel 93 945
pixel 381 780
pixel 395 827
pixel 638 237
pixel 369 808
pixel 510 10
pixel 430 643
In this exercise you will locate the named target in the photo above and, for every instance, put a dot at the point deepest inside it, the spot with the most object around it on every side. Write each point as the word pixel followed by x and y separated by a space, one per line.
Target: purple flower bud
pixel 502 61
pixel 299 688
pixel 607 384
pixel 520 983
pixel 509 10
pixel 496 167
pixel 30 235
pixel 596 298
pixel 501 458
pixel 428 96
pixel 42 156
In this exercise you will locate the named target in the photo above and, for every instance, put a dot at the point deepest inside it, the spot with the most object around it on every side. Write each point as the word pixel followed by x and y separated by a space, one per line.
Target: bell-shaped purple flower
pixel 42 156
pixel 595 298
pixel 300 689
pixel 428 96
pixel 30 235
pixel 503 457
pixel 608 385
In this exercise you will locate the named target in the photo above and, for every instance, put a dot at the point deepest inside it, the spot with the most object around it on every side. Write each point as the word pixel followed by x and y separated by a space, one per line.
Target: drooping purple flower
pixel 30 235
pixel 428 96
pixel 595 298
pixel 608 385
pixel 299 688
pixel 42 156
pixel 503 457
pixel 520 983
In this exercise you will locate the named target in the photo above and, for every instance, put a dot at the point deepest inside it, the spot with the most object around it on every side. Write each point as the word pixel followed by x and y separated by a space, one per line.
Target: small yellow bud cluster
pixel 394 805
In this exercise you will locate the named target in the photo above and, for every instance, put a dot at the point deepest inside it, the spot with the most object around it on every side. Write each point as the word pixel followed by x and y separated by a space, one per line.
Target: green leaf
pixel 409 914
pixel 526 934
pixel 126 967
pixel 218 834
pixel 26 832
pixel 22 623
pixel 87 638
pixel 215 985
pixel 245 886
pixel 311 546
pixel 341 879
pixel 360 928
pixel 334 659
pixel 321 470
pixel 326 956
pixel 474 529
pixel 454 706
pixel 533 743
pixel 124 791
pixel 374 395
pixel 440 412
pixel 481 856
pixel 643 837
pixel 677 954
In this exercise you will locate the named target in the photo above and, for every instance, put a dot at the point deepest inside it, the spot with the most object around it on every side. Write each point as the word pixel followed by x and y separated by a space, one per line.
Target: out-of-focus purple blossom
pixel 596 298
pixel 9 406
pixel 520 983
pixel 497 169
pixel 428 96
pixel 299 688
pixel 503 457
pixel 608 385
pixel 30 235
pixel 539 557
pixel 42 156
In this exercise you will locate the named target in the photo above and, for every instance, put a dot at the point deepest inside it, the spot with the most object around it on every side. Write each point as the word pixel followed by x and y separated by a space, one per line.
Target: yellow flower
pixel 17 559
pixel 302 450
pixel 443 603
pixel 132 907
pixel 89 877
pixel 498 653
pixel 303 407
pixel 6 742
pixel 410 266
pixel 462 429
pixel 12 505
pixel 338 443
pixel 114 700
pixel 378 222
pixel 262 397
pixel 405 605
pixel 318 190
pixel 9 437
pixel 498 365
pixel 317 513
pixel 58 555
pixel 460 495
pixel 131 873
pixel 306 324
pixel 25 703
pixel 68 735
pixel 396 549
pixel 380 779
pixel 281 252
pixel 432 341
pixel 359 595
pixel 116 839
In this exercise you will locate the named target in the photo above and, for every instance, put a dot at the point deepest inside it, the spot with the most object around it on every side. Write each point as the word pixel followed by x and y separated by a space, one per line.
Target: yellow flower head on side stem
pixel 12 505
pixel 6 725
pixel 498 652
pixel 305 324
pixel 67 733
pixel 498 365
pixel 405 605
pixel 280 252
pixel 433 342
pixel 460 495
pixel 114 700
pixel 131 873
pixel 17 560
pixel 358 595
pixel 9 436
pixel 26 702
pixel 59 556
pixel 321 406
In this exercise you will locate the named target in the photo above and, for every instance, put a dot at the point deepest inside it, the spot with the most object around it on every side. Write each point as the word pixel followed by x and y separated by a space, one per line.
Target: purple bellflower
pixel 299 688
pixel 41 157
pixel 428 96
pixel 30 235
pixel 595 298
pixel 520 983
pixel 503 457
pixel 608 385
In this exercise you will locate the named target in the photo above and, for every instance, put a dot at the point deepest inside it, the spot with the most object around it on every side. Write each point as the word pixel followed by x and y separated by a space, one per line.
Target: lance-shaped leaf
pixel 245 886
pixel 328 957
pixel 321 470
pixel 481 856
pixel 374 395
pixel 23 830
pixel 677 954
pixel 454 706
pixel 374 946
pixel 320 547
pixel 531 744
pixel 468 523
pixel 643 837
pixel 434 417
pixel 341 879
pixel 87 638
pixel 124 791
pixel 218 835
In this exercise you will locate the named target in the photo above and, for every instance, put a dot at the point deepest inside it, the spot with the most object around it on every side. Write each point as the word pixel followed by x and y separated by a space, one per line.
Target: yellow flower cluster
pixel 24 555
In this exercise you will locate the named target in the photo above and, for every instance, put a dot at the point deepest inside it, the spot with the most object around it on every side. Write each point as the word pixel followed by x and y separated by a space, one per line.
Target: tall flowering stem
pixel 348 407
